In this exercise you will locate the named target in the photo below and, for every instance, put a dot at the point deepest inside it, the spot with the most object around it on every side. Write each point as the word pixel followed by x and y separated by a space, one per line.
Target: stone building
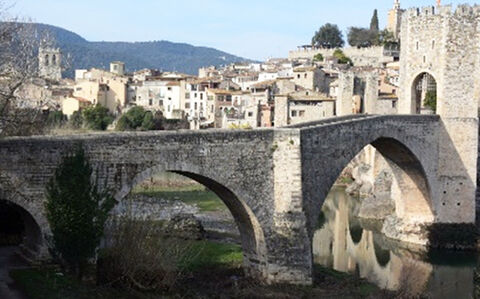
pixel 118 68
pixel 357 91
pixel 302 106
pixel 49 63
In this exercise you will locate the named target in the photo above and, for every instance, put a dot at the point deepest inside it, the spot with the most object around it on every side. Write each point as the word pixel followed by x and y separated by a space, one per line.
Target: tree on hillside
pixel 328 36
pixel 76 211
pixel 362 37
pixel 374 22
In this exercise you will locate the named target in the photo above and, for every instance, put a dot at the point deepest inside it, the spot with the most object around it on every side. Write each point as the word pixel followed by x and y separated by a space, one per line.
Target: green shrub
pixel 136 118
pixel 76 211
pixel 97 117
pixel 341 57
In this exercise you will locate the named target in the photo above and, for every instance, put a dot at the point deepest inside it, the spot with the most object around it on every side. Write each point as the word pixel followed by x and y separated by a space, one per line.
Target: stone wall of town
pixel 372 56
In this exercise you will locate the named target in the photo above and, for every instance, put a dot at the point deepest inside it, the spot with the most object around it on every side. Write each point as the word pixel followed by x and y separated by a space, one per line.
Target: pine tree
pixel 374 22
pixel 76 211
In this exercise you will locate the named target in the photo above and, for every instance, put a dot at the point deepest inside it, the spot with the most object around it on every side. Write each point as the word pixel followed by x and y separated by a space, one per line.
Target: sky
pixel 255 29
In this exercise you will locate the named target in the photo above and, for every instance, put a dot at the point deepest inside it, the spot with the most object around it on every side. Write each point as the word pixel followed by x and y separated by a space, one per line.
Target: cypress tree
pixel 374 22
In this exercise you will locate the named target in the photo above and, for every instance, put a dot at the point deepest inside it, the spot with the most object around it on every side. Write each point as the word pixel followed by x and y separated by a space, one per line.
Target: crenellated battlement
pixel 462 10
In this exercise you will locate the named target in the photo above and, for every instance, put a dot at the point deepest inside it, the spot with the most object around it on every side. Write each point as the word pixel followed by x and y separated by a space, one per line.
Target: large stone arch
pixel 414 199
pixel 251 232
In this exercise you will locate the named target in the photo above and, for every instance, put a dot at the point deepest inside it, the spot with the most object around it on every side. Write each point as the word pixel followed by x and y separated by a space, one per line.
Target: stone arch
pixel 423 85
pixel 413 196
pixel 34 229
pixel 251 233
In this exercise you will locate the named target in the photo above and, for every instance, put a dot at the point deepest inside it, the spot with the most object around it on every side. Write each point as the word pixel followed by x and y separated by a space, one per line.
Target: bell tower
pixel 49 63
pixel 394 19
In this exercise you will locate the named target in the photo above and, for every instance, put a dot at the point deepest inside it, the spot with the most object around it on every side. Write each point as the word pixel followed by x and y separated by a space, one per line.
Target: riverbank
pixel 215 273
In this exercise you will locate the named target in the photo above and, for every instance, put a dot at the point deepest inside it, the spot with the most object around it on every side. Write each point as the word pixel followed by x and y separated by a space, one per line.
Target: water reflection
pixel 348 244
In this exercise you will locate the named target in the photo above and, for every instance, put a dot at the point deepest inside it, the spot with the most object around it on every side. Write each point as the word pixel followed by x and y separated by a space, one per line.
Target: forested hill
pixel 162 55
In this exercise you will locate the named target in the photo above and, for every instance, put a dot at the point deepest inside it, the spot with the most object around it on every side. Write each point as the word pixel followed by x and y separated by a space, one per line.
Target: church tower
pixel 395 19
pixel 49 63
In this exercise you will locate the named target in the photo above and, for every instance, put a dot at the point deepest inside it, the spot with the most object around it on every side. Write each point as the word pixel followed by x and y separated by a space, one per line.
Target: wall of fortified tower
pixel 445 43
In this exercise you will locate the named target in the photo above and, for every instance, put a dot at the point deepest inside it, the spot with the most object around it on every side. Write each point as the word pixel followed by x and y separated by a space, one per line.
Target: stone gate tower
pixel 445 45
pixel 49 63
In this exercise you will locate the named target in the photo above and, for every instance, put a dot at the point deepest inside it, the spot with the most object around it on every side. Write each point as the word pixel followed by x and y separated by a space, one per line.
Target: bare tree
pixel 19 44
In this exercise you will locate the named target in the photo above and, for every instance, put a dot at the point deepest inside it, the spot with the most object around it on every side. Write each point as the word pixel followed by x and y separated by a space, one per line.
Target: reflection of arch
pixel 31 232
pixel 423 85
pixel 356 231
pixel 382 255
pixel 251 233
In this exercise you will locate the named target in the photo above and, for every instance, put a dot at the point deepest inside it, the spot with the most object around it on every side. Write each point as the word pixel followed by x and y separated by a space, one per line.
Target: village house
pixel 302 106
pixel 73 104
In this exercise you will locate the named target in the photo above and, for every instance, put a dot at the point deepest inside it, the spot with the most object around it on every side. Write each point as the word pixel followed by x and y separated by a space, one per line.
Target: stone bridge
pixel 273 181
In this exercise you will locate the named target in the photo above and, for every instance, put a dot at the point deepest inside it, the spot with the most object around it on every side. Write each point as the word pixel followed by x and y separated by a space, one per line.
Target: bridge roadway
pixel 273 181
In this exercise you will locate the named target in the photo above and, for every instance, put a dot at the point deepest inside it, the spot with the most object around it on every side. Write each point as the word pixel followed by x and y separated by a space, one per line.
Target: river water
pixel 349 244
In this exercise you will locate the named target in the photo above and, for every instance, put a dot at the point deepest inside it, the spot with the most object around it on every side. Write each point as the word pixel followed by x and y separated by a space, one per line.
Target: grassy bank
pixel 214 272
pixel 193 194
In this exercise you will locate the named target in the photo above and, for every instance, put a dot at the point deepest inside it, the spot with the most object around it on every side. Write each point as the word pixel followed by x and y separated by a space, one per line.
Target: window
pixel 54 59
pixel 169 99
pixel 47 58
pixel 433 44
pixel 169 88
pixel 160 102
pixel 250 114
pixel 195 95
pixel 187 95
pixel 294 113
pixel 298 76
pixel 168 108
pixel 394 104
pixel 417 46
pixel 305 76
pixel 201 96
pixel 301 113
pixel 212 109
pixel 196 106
pixel 150 102
pixel 187 105
pixel 78 89
pixel 424 59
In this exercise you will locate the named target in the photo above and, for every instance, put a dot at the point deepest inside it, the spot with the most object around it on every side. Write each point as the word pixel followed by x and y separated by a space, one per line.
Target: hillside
pixel 163 55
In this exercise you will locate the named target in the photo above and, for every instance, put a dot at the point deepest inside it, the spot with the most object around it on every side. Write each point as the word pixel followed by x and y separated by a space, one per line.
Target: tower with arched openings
pixel 50 63
pixel 439 63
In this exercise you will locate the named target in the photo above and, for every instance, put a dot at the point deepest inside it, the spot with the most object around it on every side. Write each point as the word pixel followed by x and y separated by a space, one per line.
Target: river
pixel 349 244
